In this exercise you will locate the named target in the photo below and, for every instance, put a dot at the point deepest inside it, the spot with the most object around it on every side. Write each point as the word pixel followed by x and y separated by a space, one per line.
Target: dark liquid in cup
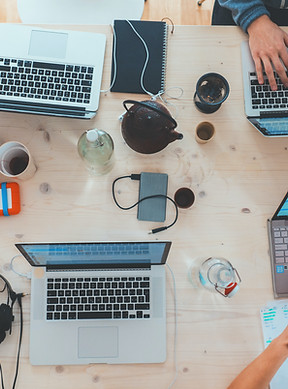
pixel 204 133
pixel 184 197
pixel 17 165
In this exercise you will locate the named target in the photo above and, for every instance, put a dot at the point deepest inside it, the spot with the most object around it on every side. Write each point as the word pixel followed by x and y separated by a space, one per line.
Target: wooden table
pixel 239 179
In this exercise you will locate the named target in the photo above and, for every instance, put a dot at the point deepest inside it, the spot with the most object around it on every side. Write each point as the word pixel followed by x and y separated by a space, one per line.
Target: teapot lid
pixel 149 105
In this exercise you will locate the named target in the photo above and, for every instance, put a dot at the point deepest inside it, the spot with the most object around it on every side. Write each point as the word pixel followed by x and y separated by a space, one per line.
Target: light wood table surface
pixel 239 178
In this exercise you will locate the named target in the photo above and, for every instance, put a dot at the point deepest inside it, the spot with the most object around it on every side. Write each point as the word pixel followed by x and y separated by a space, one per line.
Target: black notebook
pixel 131 56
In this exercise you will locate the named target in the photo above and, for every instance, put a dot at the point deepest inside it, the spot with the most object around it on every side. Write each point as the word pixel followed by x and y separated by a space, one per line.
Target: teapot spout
pixel 174 135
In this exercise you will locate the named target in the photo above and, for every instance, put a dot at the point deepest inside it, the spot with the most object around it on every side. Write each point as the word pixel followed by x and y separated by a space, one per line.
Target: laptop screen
pixel 95 253
pixel 282 210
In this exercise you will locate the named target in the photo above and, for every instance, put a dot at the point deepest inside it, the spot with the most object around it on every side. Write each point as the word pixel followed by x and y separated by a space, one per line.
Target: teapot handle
pixel 169 117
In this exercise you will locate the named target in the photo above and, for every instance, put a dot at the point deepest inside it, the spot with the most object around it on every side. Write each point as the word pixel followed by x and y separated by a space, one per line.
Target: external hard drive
pixel 153 209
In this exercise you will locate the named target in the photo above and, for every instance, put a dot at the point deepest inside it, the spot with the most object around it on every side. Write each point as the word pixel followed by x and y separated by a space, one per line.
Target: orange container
pixel 9 199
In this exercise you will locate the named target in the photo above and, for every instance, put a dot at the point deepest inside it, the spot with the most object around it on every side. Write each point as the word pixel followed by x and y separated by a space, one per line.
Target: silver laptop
pixel 102 302
pixel 278 243
pixel 50 72
pixel 266 110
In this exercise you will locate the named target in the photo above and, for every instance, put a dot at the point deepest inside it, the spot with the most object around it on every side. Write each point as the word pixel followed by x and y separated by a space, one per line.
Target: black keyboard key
pixel 49 316
pixel 52 300
pixel 47 65
pixel 142 306
pixel 94 315
pixel 51 293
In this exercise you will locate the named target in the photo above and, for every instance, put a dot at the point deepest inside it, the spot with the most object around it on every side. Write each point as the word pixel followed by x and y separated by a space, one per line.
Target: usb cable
pixel 136 177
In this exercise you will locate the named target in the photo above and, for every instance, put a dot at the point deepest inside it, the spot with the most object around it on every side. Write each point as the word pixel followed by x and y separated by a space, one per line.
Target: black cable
pixel 1 372
pixel 14 297
pixel 19 300
pixel 137 177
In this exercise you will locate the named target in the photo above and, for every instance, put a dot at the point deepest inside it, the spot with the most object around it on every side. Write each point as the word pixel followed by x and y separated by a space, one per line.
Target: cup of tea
pixel 184 197
pixel 16 161
pixel 212 90
pixel 204 132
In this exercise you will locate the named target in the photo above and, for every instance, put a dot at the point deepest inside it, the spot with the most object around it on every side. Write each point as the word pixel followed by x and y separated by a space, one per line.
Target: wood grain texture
pixel 238 179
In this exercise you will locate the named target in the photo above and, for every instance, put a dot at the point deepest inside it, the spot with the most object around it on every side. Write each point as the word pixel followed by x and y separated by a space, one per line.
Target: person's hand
pixel 268 45
pixel 282 340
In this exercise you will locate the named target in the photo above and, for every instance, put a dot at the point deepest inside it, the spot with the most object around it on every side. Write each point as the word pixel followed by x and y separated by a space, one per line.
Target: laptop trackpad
pixel 97 342
pixel 48 44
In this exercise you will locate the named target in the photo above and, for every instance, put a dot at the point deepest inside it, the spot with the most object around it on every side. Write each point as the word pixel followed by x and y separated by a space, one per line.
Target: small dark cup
pixel 184 197
pixel 212 90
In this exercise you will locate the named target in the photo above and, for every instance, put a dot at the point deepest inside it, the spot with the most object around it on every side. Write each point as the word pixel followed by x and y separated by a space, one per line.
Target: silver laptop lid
pixel 95 255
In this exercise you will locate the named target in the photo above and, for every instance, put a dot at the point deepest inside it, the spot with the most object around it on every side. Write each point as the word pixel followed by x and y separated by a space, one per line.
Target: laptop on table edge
pixel 278 244
pixel 35 64
pixel 100 340
pixel 271 120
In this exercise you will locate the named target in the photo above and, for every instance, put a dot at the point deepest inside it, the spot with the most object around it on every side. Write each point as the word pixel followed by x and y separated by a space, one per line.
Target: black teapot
pixel 148 127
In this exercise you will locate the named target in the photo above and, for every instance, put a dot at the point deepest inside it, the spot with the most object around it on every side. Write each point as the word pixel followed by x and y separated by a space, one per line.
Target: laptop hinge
pixel 45 109
pixel 273 114
pixel 109 267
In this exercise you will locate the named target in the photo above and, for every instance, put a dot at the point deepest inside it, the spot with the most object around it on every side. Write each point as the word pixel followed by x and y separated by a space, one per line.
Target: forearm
pixel 244 12
pixel 258 374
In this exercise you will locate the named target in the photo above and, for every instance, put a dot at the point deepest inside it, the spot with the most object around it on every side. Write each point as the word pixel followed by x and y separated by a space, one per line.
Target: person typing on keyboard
pixel 259 373
pixel 268 42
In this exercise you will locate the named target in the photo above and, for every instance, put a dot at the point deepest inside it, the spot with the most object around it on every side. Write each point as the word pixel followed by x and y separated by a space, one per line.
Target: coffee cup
pixel 184 197
pixel 16 161
pixel 212 90
pixel 204 132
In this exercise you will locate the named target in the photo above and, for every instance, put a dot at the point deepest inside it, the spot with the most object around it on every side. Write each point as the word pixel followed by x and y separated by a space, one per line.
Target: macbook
pixel 278 240
pixel 97 302
pixel 266 110
pixel 50 72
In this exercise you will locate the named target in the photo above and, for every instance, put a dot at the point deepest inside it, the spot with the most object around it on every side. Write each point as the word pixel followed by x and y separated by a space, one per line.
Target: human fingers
pixel 269 72
pixel 259 69
pixel 281 70
pixel 284 59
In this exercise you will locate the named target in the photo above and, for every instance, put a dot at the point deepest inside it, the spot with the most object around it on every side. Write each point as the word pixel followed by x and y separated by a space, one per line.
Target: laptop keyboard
pixel 45 81
pixel 98 298
pixel 281 244
pixel 264 98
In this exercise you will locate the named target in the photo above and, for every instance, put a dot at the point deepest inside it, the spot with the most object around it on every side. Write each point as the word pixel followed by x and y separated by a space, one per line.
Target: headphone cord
pixel 137 177
pixel 19 300
pixel 18 297
pixel 14 297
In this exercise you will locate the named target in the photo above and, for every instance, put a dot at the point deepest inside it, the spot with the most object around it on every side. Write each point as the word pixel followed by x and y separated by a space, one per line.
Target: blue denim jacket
pixel 244 12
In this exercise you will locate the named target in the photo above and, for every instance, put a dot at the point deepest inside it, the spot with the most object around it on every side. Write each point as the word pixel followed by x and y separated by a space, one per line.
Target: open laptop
pixel 97 302
pixel 265 109
pixel 50 72
pixel 278 242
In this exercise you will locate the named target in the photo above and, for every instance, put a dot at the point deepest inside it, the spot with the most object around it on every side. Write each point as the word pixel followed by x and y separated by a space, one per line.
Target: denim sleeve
pixel 244 12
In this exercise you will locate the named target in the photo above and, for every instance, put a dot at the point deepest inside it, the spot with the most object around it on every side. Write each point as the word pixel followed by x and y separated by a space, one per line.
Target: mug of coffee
pixel 212 90
pixel 16 161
